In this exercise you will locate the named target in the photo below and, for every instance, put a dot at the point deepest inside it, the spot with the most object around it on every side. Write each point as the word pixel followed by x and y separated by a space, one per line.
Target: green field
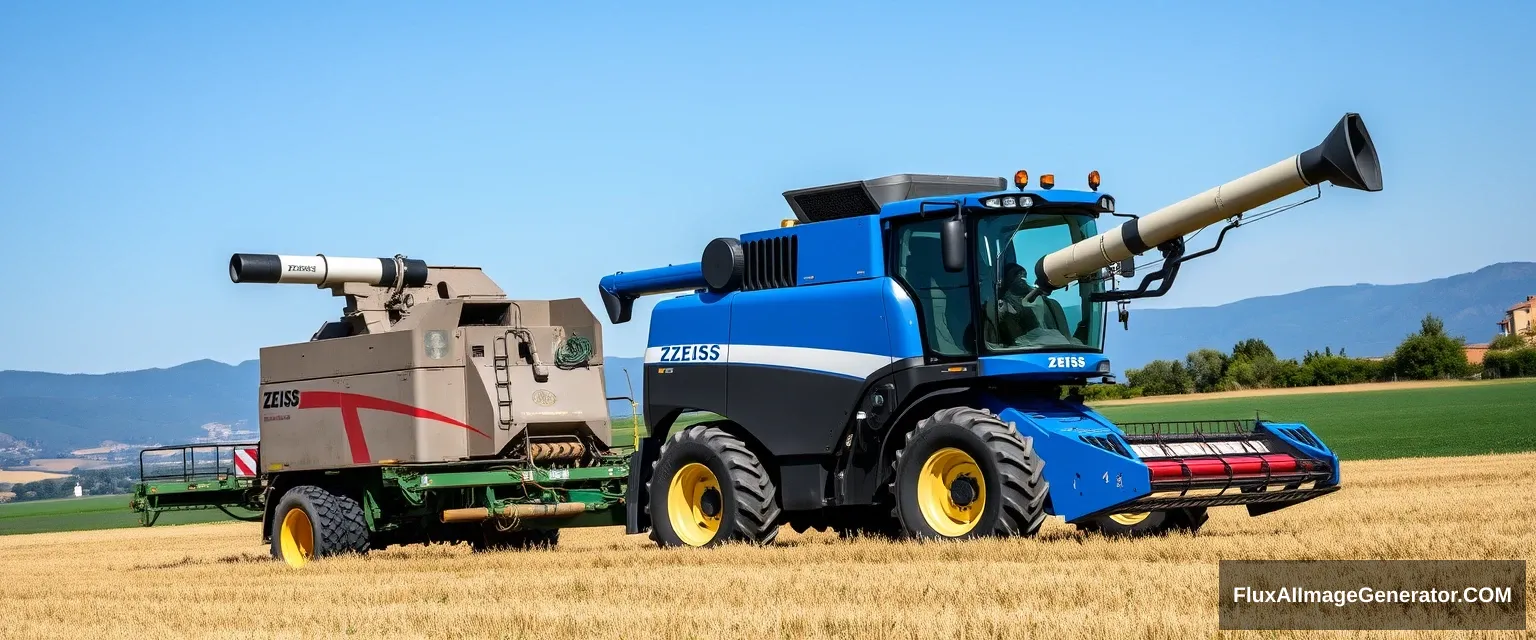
pixel 624 427
pixel 94 512
pixel 1471 419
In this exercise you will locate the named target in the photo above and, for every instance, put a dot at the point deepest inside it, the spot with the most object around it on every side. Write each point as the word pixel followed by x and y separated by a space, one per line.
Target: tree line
pixel 110 480
pixel 1512 355
pixel 1428 354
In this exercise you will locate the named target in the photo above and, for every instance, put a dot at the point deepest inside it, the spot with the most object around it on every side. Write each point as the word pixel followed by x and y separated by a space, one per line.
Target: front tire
pixel 311 523
pixel 963 473
pixel 1147 523
pixel 707 488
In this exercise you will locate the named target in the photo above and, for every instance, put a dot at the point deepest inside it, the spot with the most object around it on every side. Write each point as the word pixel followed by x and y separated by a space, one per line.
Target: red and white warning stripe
pixel 245 462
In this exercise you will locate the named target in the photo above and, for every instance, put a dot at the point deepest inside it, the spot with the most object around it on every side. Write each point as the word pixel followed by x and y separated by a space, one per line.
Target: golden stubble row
pixel 217 581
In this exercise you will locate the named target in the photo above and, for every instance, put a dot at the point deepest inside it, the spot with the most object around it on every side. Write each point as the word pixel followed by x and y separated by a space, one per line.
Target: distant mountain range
pixel 58 413
pixel 1367 319
pixel 64 412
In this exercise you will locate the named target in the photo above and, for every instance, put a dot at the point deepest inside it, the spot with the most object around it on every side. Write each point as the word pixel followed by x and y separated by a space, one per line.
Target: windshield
pixel 1009 245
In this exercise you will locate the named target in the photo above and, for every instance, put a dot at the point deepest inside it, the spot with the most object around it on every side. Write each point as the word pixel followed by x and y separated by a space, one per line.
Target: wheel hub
pixel 709 503
pixel 963 491
pixel 695 504
pixel 949 494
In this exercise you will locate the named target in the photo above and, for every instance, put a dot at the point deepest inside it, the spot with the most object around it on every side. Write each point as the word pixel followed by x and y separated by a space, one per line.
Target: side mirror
pixel 952 239
pixel 1127 267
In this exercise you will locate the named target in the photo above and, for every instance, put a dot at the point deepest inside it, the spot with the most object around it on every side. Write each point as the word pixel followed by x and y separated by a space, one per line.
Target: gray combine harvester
pixel 435 409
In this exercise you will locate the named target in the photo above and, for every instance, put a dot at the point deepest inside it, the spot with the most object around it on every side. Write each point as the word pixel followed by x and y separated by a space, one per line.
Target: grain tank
pixel 434 409
pixel 426 365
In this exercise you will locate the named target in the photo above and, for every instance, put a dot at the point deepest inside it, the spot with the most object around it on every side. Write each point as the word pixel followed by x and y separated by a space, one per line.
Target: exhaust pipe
pixel 519 511
pixel 325 271
pixel 1346 158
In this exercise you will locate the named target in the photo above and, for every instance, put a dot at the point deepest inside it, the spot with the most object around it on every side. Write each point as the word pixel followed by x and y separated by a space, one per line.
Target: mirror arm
pixel 1173 257
pixel 1235 223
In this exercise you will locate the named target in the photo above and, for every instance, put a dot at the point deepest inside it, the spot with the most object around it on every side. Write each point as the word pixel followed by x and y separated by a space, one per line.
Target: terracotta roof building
pixel 1520 318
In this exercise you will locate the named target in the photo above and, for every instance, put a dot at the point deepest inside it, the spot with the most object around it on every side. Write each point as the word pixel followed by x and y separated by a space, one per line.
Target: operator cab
pixel 987 306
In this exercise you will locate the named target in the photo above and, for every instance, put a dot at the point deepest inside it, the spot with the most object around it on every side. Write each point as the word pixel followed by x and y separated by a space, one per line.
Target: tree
pixel 1506 341
pixel 1241 374
pixel 1161 377
pixel 1510 363
pixel 1253 349
pixel 1431 354
pixel 1206 367
pixel 1289 373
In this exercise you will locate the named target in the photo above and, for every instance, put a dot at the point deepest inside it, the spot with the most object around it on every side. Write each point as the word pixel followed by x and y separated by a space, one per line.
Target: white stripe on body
pixel 843 363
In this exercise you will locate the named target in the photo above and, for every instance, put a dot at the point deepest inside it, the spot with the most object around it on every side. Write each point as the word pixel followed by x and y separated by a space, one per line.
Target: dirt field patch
pixel 216 580
pixel 28 476
pixel 64 465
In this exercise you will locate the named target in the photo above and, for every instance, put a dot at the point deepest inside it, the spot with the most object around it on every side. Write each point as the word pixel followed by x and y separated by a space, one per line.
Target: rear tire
pixel 707 488
pixel 1153 523
pixel 963 473
pixel 311 523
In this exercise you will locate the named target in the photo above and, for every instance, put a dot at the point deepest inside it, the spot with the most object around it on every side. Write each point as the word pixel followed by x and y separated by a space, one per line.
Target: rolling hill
pixel 62 412
pixel 1367 319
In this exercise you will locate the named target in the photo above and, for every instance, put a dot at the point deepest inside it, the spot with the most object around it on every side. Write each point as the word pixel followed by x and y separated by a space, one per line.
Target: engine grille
pixel 771 263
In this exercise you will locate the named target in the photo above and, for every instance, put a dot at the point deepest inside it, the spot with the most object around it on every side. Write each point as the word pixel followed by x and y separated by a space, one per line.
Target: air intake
pixel 865 197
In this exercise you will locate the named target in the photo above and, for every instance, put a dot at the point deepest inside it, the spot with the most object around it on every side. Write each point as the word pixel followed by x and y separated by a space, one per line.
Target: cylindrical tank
pixel 1346 158
pixel 325 271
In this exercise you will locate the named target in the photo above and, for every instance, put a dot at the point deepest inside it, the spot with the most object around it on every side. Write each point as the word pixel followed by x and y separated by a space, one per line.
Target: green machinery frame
pixel 193 477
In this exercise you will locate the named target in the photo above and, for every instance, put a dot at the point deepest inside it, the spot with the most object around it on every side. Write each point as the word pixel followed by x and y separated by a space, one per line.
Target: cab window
pixel 943 298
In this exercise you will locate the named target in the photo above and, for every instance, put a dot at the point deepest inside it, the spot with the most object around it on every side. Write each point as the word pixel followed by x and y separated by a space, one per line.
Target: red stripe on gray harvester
pixel 350 403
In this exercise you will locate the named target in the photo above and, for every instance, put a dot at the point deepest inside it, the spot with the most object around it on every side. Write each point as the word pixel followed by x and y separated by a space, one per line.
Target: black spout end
pixel 255 267
pixel 1346 158
pixel 618 307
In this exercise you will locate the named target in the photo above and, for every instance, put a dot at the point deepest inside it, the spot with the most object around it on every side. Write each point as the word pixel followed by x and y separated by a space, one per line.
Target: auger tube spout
pixel 1346 158
pixel 326 271
pixel 620 290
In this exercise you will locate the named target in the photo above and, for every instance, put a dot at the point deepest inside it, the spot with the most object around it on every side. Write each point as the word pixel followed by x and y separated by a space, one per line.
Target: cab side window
pixel 943 298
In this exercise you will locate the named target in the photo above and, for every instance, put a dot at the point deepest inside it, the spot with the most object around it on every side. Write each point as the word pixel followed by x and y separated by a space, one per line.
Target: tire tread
pixel 757 514
pixel 1024 488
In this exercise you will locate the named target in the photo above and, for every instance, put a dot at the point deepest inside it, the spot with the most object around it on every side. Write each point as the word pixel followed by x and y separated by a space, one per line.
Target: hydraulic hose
pixel 575 352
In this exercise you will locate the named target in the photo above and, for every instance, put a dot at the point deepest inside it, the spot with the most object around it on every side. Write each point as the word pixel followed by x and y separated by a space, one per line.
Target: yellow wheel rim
pixel 947 475
pixel 1130 519
pixel 695 504
pixel 296 538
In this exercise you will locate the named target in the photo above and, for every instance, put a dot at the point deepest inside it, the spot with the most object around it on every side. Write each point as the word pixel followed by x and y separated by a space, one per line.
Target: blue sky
pixel 141 144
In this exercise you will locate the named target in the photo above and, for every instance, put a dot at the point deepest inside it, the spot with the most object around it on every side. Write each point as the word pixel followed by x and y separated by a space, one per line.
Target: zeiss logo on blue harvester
pixel 1067 362
pixel 691 353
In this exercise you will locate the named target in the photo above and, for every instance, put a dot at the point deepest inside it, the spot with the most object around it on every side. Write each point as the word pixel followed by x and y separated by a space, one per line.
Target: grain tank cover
pixel 865 197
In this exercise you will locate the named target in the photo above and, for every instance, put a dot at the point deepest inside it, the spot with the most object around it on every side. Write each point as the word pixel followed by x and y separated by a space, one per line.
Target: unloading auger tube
pixel 1346 158
pixel 325 271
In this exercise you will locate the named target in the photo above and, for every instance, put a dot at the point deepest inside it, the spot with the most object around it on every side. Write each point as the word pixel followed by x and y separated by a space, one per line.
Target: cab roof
pixel 909 193
pixel 1091 200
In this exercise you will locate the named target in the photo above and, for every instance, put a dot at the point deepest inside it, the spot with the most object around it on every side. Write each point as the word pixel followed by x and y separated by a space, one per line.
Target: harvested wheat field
pixel 18 477
pixel 216 580
pixel 65 465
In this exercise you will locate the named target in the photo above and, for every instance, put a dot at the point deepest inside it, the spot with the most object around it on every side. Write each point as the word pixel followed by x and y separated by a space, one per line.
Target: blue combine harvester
pixel 893 361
